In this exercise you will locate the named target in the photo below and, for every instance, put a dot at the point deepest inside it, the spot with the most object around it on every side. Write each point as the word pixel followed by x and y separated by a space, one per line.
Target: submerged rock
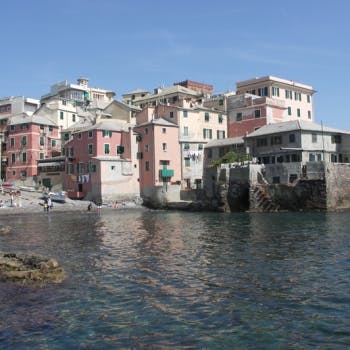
pixel 5 230
pixel 29 269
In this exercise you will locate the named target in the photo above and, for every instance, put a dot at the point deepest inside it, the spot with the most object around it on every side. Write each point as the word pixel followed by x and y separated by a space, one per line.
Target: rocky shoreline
pixel 29 269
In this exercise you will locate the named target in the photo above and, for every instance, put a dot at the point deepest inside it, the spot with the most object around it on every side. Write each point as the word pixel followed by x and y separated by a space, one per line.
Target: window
pixel 79 136
pixel 164 146
pixel 298 112
pixel 61 115
pixel 66 136
pixel 53 143
pixel 275 91
pixel 276 180
pixel 261 142
pixel 147 165
pixel 24 126
pixel 185 114
pixel 185 130
pixel 120 149
pixel 295 157
pixel 289 111
pixel 73 117
pixel 106 133
pixel 239 116
pixel 171 114
pixel 70 169
pixel 308 97
pixel 186 146
pixel 106 146
pixel 251 92
pixel 289 94
pixel 42 127
pixel 12 142
pixel 263 91
pixel 276 140
pixel 209 153
pixel 207 134
pixel 93 167
pixel 41 155
pixel 336 138
pixel 24 140
pixel 311 157
pixel 146 131
pixel 24 157
pixel 187 162
pixel 220 118
pixel 50 128
pixel 206 116
pixel 13 158
pixel 293 178
pixel 314 138
pixel 257 113
pixel 220 134
pixel 291 138
pixel 90 148
pixel 41 141
pixel 309 114
pixel 163 130
pixel 146 148
pixel 297 96
pixel 64 102
pixel 13 127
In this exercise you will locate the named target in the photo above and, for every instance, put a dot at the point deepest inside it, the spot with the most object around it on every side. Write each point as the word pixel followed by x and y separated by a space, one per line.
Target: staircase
pixel 261 201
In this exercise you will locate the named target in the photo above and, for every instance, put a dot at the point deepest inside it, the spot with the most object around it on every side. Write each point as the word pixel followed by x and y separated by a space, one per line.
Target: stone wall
pixel 338 185
pixel 159 196
pixel 319 187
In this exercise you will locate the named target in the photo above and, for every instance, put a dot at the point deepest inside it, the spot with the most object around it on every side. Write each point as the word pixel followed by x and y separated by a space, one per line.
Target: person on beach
pixel 46 207
pixel 49 203
pixel 89 207
pixel 115 206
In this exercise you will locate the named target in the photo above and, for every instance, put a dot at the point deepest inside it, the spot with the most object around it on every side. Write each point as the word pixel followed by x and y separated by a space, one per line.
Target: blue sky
pixel 124 45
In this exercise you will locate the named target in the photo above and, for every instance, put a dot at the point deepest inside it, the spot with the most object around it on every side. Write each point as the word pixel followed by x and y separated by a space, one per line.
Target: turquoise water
pixel 142 279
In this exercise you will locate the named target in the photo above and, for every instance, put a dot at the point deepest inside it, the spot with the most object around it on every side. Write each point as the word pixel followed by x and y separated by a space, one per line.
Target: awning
pixel 42 165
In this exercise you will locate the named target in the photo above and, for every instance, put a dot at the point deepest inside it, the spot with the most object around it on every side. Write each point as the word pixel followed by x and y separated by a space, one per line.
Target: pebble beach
pixel 32 202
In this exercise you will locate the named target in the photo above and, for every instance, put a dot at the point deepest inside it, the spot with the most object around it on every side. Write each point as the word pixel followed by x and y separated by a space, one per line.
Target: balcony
pixel 166 173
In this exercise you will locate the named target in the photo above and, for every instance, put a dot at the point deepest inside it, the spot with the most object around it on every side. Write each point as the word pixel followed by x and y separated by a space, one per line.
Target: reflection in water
pixel 156 279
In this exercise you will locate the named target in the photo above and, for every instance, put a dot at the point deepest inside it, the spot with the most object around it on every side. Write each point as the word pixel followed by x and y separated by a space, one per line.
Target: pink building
pixel 160 161
pixel 29 139
pixel 248 113
pixel 100 163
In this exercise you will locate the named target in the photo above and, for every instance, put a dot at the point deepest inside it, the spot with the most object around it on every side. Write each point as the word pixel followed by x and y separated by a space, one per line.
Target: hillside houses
pixel 158 144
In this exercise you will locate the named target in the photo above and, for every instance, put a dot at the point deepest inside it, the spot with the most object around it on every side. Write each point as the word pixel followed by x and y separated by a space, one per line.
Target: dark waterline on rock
pixel 160 280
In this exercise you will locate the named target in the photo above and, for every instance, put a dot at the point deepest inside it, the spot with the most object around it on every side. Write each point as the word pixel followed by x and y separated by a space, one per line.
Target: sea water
pixel 139 279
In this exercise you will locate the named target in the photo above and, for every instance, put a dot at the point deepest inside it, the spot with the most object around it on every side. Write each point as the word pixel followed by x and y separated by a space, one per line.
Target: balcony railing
pixel 166 172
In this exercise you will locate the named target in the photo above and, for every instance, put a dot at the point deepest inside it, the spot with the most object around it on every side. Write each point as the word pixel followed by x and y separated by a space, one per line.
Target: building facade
pixel 287 149
pixel 159 161
pixel 247 113
pixel 29 139
pixel 101 164
pixel 297 97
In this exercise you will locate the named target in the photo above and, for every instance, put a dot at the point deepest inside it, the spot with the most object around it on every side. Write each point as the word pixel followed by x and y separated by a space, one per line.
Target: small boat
pixel 59 197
